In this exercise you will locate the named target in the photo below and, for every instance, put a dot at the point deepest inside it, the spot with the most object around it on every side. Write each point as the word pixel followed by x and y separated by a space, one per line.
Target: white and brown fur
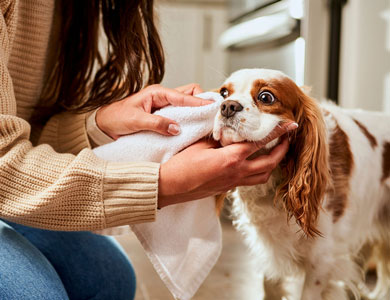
pixel 331 196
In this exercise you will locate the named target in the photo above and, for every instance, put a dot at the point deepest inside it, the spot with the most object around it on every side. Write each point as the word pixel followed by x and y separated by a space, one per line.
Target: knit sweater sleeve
pixel 43 188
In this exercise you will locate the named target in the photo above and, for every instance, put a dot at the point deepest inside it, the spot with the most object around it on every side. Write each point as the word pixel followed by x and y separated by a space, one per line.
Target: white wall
pixel 365 55
pixel 315 31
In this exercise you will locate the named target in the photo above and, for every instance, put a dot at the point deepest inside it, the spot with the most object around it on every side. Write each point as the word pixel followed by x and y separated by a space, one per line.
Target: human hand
pixel 134 113
pixel 203 170
pixel 190 89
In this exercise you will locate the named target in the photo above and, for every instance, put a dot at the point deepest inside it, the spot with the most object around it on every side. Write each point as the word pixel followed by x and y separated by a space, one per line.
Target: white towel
pixel 185 241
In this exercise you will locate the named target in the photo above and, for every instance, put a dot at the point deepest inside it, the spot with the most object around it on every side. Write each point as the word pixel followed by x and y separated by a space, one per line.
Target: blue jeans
pixel 42 264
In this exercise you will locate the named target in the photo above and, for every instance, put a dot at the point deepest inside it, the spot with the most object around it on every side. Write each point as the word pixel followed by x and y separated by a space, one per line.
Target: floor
pixel 232 278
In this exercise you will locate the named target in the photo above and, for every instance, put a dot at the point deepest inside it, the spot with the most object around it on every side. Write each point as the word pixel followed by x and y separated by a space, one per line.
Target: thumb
pixel 205 143
pixel 158 124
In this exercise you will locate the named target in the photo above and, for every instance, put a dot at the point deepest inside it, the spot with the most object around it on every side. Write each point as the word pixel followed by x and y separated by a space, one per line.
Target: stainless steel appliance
pixel 265 34
pixel 238 8
pixel 337 47
pixel 288 35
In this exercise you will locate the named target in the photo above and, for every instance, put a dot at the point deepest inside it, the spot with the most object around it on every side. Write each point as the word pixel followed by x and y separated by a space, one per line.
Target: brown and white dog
pixel 330 196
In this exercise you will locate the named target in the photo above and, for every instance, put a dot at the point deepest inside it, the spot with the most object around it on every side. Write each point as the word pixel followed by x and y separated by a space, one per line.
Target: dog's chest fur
pixel 277 244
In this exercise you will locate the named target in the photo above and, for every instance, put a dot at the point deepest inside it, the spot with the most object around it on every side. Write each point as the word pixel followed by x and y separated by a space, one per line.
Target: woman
pixel 58 97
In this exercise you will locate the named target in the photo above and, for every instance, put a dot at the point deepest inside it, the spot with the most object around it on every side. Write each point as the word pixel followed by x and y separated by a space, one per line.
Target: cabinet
pixel 189 31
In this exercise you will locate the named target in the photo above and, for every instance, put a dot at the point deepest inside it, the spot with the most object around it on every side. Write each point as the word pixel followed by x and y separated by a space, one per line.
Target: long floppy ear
pixel 306 169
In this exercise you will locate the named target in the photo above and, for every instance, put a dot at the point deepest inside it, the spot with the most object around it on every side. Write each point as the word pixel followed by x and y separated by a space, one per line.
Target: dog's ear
pixel 306 169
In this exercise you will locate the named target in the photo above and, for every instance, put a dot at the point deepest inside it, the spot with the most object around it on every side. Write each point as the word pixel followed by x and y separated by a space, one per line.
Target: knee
pixel 123 280
pixel 24 271
pixel 119 277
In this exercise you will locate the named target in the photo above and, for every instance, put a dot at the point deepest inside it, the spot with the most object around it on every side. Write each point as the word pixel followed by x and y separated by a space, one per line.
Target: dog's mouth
pixel 229 134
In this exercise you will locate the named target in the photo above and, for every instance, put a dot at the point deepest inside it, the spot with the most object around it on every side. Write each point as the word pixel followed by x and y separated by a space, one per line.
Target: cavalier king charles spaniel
pixel 326 202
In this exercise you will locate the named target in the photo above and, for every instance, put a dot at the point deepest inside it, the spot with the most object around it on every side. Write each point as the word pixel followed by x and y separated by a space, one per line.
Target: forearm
pixel 45 189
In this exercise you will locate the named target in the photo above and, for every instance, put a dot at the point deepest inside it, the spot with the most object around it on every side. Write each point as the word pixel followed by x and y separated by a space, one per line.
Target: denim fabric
pixel 43 264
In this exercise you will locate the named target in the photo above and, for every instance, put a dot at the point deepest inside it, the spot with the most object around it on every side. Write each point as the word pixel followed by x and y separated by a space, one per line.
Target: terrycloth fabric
pixel 184 242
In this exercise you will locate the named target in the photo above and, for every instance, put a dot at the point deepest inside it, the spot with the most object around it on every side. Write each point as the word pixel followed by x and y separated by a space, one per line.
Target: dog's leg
pixel 363 261
pixel 381 253
pixel 331 277
pixel 318 285
pixel 289 288
pixel 318 268
pixel 316 280
pixel 292 287
pixel 273 289
pixel 382 287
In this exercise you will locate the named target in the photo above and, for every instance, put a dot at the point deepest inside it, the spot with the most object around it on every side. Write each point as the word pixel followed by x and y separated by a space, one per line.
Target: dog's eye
pixel 224 92
pixel 266 97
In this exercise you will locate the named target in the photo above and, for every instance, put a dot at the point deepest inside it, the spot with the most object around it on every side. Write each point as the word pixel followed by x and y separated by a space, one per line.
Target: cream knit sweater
pixel 59 184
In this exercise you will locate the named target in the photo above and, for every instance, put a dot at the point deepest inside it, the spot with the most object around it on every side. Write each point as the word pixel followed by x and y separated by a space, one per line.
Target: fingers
pixel 197 90
pixel 246 149
pixel 258 170
pixel 266 163
pixel 176 98
pixel 278 131
pixel 157 124
pixel 163 96
pixel 261 168
pixel 256 179
pixel 204 144
pixel 190 89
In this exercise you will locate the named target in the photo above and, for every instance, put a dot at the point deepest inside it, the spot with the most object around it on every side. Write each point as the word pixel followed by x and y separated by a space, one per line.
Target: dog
pixel 330 196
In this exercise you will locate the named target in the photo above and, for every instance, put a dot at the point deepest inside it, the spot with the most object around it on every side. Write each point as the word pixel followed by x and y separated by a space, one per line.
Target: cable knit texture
pixel 59 184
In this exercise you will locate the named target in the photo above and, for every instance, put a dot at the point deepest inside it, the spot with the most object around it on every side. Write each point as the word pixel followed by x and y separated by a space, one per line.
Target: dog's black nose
pixel 230 107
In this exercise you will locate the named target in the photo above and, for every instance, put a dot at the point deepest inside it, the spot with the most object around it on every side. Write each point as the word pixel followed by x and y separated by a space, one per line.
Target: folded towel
pixel 185 241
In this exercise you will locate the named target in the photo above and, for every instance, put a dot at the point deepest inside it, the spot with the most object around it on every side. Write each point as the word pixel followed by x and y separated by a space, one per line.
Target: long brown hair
pixel 134 55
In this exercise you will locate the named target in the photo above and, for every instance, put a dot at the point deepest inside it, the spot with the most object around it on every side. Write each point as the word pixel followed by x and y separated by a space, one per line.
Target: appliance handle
pixel 258 31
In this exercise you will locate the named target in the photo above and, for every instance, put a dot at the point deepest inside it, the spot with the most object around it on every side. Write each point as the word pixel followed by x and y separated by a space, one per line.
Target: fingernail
pixel 292 126
pixel 174 129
